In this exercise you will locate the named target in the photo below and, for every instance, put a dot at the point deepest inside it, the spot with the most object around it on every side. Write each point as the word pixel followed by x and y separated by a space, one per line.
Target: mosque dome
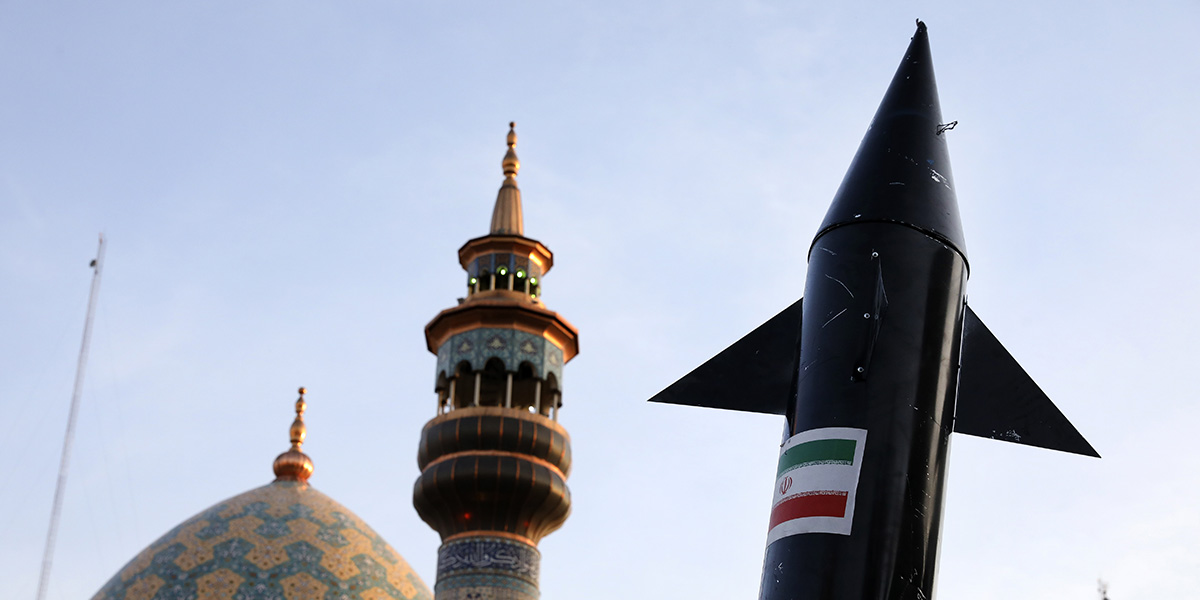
pixel 282 541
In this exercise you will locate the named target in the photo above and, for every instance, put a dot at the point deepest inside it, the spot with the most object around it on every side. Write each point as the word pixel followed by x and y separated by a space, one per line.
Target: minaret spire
pixel 295 465
pixel 506 216
pixel 494 459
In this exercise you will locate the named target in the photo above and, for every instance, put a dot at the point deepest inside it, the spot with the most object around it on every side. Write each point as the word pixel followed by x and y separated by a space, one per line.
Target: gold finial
pixel 510 164
pixel 298 430
pixel 506 216
pixel 295 465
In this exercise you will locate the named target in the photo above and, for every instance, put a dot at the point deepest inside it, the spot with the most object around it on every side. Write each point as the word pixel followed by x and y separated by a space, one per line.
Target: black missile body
pixel 875 367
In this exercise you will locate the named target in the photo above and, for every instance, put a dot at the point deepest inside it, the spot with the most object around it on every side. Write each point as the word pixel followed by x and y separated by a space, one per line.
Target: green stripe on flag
pixel 817 452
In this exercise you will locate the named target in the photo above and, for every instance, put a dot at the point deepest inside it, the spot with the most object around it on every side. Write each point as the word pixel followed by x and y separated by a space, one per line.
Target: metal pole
pixel 48 558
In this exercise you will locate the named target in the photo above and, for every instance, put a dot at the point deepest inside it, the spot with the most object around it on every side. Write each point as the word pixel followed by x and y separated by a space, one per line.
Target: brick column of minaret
pixel 494 461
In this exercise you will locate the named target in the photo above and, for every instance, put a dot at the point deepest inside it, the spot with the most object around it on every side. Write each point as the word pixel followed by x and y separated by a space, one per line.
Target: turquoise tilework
pixel 485 587
pixel 489 556
pixel 282 541
pixel 509 345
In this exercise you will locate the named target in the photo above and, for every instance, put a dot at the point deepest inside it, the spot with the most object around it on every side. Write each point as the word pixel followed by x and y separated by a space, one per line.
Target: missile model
pixel 874 368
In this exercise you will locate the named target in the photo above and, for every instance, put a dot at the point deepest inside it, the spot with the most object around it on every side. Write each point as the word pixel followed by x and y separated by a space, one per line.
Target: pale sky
pixel 285 185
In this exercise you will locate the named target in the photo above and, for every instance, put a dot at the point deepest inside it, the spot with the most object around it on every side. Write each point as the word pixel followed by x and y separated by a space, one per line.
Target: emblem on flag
pixel 816 482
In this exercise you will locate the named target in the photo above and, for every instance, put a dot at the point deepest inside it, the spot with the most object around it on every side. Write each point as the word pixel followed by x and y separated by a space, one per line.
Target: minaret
pixel 494 460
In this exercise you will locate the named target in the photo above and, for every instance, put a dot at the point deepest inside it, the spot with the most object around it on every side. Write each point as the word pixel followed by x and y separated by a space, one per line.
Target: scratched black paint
pixel 879 348
pixel 883 330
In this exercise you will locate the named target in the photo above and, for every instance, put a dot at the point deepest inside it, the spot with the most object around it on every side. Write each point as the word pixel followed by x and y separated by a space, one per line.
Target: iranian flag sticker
pixel 816 482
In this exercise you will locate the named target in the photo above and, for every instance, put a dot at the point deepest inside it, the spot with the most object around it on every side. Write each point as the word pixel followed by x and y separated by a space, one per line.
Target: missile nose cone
pixel 901 173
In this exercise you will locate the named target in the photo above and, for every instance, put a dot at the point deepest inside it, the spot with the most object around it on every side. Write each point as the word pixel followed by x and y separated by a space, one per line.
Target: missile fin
pixel 752 375
pixel 997 399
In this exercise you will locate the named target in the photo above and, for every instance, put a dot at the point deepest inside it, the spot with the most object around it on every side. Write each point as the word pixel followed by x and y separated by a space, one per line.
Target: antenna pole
pixel 48 558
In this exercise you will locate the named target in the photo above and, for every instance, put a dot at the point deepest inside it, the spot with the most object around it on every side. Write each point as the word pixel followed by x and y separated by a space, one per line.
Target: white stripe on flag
pixel 818 477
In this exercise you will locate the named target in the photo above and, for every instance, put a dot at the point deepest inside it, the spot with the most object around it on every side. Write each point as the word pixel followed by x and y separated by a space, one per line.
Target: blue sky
pixel 285 185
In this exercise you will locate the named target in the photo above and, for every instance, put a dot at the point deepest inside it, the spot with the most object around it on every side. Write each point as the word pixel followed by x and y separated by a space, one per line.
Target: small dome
pixel 284 541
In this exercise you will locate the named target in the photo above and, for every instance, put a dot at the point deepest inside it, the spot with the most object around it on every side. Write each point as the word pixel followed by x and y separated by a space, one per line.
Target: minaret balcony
pixel 493 471
pixel 501 312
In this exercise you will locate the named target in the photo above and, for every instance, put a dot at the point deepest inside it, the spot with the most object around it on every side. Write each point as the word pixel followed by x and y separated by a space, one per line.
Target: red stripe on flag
pixel 810 504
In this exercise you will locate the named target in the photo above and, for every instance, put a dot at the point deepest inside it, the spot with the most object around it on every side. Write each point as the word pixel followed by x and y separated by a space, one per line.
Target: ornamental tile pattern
pixel 486 568
pixel 513 347
pixel 485 587
pixel 491 556
pixel 282 541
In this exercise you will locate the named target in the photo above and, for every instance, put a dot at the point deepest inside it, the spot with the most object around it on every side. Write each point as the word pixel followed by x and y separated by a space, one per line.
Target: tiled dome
pixel 282 541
